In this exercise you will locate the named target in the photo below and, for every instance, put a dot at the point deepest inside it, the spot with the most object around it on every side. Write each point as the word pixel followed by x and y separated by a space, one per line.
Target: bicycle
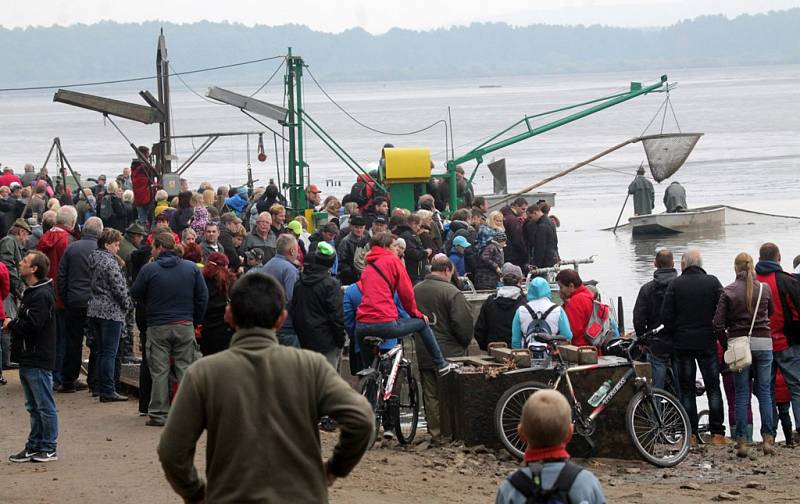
pixel 703 423
pixel 391 389
pixel 656 422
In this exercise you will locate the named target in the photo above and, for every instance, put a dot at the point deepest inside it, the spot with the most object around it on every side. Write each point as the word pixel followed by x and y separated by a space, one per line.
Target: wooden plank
pixel 132 111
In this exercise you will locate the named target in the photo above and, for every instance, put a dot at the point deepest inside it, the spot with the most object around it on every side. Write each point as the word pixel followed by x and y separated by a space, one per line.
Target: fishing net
pixel 667 152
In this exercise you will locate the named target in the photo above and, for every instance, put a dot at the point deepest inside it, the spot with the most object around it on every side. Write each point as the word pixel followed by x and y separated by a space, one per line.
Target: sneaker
pixel 23 456
pixel 45 456
pixel 388 434
pixel 155 422
pixel 446 370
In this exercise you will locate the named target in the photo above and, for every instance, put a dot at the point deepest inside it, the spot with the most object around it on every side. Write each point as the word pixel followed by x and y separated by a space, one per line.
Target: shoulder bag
pixel 738 356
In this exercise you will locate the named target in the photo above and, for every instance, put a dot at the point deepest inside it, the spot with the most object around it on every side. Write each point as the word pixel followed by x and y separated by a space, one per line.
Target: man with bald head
pixel 690 303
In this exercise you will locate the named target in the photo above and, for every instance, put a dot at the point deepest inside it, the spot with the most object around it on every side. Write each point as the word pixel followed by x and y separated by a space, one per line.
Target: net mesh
pixel 667 152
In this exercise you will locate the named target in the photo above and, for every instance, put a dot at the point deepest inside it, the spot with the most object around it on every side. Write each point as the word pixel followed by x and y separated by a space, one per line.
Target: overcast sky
pixel 377 16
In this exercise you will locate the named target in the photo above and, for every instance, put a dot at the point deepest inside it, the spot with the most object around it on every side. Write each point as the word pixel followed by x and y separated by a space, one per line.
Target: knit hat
pixel 511 269
pixel 325 255
pixel 296 227
pixel 500 236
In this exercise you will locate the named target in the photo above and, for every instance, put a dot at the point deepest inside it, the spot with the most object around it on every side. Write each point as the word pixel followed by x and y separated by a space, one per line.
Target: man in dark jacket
pixel 440 300
pixel 175 296
pixel 647 316
pixel 230 223
pixel 316 307
pixel 690 303
pixel 33 335
pixel 513 217
pixel 415 255
pixel 497 313
pixel 74 287
pixel 540 235
pixel 351 250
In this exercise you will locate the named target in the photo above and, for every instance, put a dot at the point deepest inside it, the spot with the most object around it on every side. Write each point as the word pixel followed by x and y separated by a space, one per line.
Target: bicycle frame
pixel 396 354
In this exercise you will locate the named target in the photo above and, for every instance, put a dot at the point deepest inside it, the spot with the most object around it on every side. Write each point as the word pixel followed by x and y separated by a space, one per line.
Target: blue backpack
pixel 531 487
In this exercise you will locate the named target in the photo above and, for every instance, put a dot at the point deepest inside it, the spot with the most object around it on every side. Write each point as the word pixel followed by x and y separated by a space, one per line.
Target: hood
pixel 512 292
pixel 41 283
pixel 314 273
pixel 764 267
pixel 54 238
pixel 538 288
pixel 664 276
pixel 457 225
pixel 168 260
pixel 237 202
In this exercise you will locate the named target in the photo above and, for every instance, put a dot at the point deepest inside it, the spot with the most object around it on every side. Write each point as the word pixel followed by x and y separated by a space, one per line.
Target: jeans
pixel 288 337
pixel 163 342
pixel 398 329
pixel 709 369
pixel 37 385
pixel 106 346
pixel 61 346
pixel 760 371
pixel 143 214
pixel 789 363
pixel 660 366
pixel 75 321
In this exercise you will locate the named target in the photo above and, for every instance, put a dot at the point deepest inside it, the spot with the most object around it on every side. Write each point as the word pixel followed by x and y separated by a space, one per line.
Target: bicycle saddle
pixel 549 338
pixel 373 341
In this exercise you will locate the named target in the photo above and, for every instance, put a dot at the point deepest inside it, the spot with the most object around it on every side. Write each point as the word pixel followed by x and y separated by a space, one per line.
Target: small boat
pixel 678 222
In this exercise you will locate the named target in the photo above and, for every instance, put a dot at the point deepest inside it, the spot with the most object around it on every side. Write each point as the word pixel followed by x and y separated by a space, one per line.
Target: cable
pixel 135 79
pixel 178 75
pixel 374 130
pixel 269 79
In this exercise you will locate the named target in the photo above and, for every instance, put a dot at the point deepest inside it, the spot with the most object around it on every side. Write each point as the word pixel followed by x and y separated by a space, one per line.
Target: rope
pixel 178 75
pixel 269 79
pixel 135 79
pixel 374 130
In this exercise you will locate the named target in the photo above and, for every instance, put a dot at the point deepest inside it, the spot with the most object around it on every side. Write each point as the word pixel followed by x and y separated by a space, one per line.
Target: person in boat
pixel 675 198
pixel 643 194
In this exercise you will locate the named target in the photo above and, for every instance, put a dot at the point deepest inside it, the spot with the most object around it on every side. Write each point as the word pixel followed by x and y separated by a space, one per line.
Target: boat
pixel 678 222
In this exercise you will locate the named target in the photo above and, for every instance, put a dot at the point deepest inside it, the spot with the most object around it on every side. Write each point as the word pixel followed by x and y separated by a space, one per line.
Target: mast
pixel 164 159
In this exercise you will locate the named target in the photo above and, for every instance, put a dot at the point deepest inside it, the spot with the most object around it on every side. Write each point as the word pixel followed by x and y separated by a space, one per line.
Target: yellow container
pixel 407 164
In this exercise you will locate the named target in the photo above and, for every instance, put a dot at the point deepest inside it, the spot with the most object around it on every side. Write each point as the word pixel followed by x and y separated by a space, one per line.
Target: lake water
pixel 749 156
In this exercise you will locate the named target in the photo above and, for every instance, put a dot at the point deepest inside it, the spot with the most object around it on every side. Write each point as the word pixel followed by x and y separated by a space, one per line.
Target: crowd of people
pixel 90 266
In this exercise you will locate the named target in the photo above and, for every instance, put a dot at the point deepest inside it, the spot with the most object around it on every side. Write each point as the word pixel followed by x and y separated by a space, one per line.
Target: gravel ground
pixel 107 454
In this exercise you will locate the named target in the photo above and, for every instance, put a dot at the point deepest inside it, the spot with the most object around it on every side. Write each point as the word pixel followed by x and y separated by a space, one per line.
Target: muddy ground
pixel 107 454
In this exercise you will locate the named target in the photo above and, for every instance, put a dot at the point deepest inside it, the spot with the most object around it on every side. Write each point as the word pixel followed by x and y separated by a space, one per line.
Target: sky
pixel 378 16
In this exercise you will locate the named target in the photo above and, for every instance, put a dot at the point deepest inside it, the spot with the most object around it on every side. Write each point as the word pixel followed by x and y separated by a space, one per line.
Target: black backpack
pixel 106 209
pixel 538 325
pixel 358 193
pixel 531 487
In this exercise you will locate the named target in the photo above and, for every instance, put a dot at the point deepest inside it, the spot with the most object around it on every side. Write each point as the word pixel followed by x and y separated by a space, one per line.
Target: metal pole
pixel 293 201
pixel 620 212
pixel 165 129
pixel 301 164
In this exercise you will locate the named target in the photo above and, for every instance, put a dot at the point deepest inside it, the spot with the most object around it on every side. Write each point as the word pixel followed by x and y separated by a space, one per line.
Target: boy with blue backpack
pixel 540 315
pixel 547 474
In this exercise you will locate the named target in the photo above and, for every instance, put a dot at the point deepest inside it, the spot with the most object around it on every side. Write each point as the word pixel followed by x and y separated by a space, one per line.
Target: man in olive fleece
pixel 260 403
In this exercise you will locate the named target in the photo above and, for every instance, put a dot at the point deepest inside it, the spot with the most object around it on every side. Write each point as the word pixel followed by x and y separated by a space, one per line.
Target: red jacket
pixel 141 183
pixel 53 244
pixel 779 341
pixel 377 303
pixel 5 287
pixel 7 178
pixel 579 310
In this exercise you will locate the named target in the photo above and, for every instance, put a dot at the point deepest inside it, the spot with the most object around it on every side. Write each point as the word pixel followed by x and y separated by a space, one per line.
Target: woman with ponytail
pixel 744 304
pixel 215 335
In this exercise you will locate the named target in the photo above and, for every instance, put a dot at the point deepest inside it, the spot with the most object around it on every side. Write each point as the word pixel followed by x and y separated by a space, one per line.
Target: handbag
pixel 738 356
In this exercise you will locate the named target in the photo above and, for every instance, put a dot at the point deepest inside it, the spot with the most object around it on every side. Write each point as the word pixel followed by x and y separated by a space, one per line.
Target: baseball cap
pixel 511 269
pixel 379 220
pixel 313 189
pixel 460 241
pixel 296 227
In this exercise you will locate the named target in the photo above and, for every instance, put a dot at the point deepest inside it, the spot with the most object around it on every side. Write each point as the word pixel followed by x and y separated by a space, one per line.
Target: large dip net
pixel 667 152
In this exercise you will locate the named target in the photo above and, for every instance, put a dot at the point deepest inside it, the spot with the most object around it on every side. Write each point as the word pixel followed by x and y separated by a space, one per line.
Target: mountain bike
pixel 656 422
pixel 392 391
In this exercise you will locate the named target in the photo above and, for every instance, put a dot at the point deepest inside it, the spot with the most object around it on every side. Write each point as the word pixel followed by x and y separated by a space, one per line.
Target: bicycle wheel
pixel 659 427
pixel 405 406
pixel 508 413
pixel 703 427
pixel 371 391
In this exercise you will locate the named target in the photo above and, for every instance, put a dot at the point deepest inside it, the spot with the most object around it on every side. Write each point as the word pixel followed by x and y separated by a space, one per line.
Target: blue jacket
pixel 538 288
pixel 172 290
pixel 352 298
pixel 458 261
pixel 237 202
pixel 287 274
